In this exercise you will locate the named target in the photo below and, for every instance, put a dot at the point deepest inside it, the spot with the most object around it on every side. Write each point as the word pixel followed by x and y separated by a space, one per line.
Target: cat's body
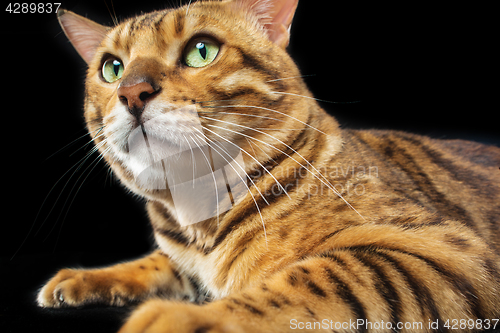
pixel 312 222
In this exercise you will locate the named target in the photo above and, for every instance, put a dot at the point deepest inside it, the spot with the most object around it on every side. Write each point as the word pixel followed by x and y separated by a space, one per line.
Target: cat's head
pixel 175 95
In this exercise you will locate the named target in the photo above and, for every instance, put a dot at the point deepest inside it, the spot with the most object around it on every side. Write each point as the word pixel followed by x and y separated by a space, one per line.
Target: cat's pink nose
pixel 135 96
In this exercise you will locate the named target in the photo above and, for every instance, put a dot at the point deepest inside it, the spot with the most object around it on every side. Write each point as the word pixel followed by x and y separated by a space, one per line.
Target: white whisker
pixel 95 163
pixel 262 150
pixel 249 155
pixel 113 17
pixel 250 144
pixel 189 5
pixel 79 138
pixel 249 191
pixel 239 165
pixel 324 182
pixel 75 168
pixel 89 154
pixel 78 166
pixel 213 176
pixel 243 114
pixel 297 95
pixel 279 129
pixel 193 160
pixel 271 110
pixel 88 143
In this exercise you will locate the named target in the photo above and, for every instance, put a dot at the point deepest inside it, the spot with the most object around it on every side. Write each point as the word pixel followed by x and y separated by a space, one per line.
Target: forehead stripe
pixel 147 20
pixel 160 20
pixel 179 21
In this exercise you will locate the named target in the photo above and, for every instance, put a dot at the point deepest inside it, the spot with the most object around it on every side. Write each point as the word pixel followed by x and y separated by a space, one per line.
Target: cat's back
pixel 455 155
pixel 457 179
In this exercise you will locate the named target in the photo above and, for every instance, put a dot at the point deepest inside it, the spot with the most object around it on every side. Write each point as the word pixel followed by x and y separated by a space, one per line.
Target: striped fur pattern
pixel 335 224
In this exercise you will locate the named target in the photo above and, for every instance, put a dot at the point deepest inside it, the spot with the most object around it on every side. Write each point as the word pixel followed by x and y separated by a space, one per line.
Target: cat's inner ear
pixel 275 15
pixel 84 34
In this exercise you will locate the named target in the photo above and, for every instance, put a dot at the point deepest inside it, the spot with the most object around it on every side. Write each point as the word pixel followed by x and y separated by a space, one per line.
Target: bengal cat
pixel 268 217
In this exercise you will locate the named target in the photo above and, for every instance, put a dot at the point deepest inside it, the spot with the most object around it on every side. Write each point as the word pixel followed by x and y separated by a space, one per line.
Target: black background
pixel 427 70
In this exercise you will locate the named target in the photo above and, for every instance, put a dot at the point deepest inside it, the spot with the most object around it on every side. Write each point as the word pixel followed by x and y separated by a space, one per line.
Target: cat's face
pixel 165 86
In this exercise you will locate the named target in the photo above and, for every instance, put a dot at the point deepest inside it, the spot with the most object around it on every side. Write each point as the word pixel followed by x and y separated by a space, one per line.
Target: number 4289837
pixel 32 8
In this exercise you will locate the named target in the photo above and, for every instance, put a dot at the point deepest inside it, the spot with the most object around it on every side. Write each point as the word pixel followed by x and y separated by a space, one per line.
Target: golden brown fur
pixel 374 225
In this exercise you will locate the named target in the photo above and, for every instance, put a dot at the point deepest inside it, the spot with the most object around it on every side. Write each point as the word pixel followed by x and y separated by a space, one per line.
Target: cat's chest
pixel 206 268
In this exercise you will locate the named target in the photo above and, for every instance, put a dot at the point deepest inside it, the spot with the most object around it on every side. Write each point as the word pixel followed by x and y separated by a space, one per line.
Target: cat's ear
pixel 275 15
pixel 84 34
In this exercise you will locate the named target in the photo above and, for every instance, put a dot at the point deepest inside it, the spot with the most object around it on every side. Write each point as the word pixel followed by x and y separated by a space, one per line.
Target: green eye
pixel 201 52
pixel 112 70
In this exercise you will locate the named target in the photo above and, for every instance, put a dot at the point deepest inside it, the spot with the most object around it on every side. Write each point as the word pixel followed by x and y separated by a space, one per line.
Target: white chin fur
pixel 166 132
pixel 169 150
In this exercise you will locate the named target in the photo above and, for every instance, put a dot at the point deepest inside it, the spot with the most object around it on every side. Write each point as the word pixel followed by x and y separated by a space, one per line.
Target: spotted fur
pixel 334 224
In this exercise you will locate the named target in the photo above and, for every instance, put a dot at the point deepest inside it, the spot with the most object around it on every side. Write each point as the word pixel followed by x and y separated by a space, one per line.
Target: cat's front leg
pixel 116 285
pixel 162 316
pixel 343 290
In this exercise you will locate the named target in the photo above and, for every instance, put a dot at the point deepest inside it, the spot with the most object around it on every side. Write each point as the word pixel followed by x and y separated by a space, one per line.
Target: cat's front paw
pixel 161 316
pixel 72 287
